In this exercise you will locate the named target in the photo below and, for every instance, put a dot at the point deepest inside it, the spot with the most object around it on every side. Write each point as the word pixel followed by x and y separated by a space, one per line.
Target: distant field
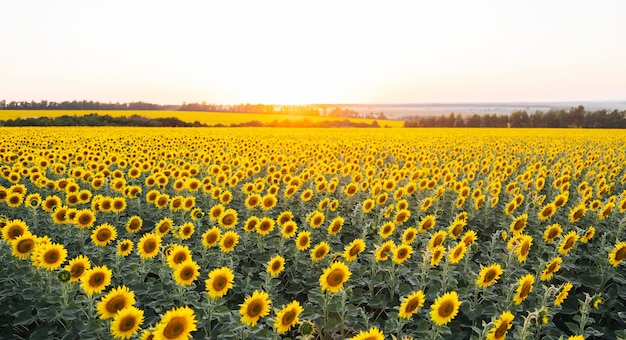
pixel 209 118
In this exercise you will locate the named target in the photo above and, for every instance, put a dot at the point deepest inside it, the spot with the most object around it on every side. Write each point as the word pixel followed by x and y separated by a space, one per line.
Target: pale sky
pixel 301 52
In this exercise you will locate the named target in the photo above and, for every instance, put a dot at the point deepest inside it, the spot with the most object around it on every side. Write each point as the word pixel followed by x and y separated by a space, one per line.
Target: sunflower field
pixel 261 233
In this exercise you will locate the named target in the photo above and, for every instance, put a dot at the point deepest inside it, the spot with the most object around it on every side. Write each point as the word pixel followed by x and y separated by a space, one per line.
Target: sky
pixel 304 52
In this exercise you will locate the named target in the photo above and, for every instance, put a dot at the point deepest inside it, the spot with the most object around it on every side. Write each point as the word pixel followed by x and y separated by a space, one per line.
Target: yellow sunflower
pixel 103 235
pixel 589 234
pixel 402 253
pixel 524 288
pixel 268 202
pixel 523 248
pixel 219 282
pixel 284 217
pixel 489 275
pixel 456 254
pixel 289 229
pixel 211 237
pixel 401 216
pixel 382 253
pixel 163 226
pixel 501 326
pixel 186 272
pixel 352 250
pixel 577 212
pixel 49 256
pixel 437 239
pixel 568 242
pixel 551 268
pixel 177 323
pixel 124 247
pixel 319 251
pixel 547 211
pixel 288 317
pixel 372 334
pixel 445 308
pixel 336 225
pixel 437 255
pixel 23 245
pixel 126 322
pixel 562 295
pixel 276 265
pixel 77 267
pixel 427 223
pixel 177 254
pixel 552 232
pixel 409 235
pixel 265 226
pixel 228 241
pixel 334 277
pixel 115 300
pixel 518 224
pixel 250 224
pixel 228 219
pixel 386 230
pixel 411 304
pixel 456 228
pixel 618 254
pixel 58 216
pixel 255 307
pixel 303 240
pixel 85 218
pixel 14 229
pixel 316 219
pixel 148 246
pixel 95 280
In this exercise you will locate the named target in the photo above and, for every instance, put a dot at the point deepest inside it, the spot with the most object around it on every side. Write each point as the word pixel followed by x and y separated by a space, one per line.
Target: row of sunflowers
pixel 312 234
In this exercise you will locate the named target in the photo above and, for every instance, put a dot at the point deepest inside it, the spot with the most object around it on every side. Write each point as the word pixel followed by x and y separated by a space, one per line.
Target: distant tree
pixel 519 119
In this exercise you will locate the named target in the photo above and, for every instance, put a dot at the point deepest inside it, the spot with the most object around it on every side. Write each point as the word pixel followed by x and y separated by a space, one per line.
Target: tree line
pixel 561 118
pixel 94 119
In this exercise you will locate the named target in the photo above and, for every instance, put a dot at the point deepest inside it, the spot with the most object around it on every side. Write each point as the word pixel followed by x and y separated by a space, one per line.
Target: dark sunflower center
pixel 52 256
pixel 412 306
pixel 103 235
pixel 25 246
pixel 288 318
pixel 175 327
pixel 255 308
pixel 219 283
pixel 149 246
pixel 115 304
pixel 446 309
pixel 355 250
pixel 525 290
pixel 96 280
pixel 228 219
pixel 620 254
pixel 335 278
pixel 501 330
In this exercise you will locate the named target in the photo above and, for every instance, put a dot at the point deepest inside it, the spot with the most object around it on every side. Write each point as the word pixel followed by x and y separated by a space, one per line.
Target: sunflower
pixel 437 239
pixel 368 205
pixel 334 277
pixel 316 219
pixel 409 235
pixel 219 282
pixel 177 254
pixel 50 203
pixel 211 237
pixel 426 203
pixel 303 240
pixel 49 256
pixel 427 223
pixel 523 248
pixel 562 295
pixel 353 249
pixel 401 216
pixel 445 308
pixel 437 255
pixel 228 241
pixel 14 199
pixel 501 326
pixel 162 200
pixel 288 317
pixel 149 245
pixel 336 225
pixel 284 217
pixel 255 307
pixel 618 254
pixel 411 304
pixel 576 337
pixel 59 215
pixel 577 212
pixel 382 253
pixel 23 245
pixel 456 228
pixel 606 210
pixel 118 204
pixel 152 195
pixel 589 233
pixel 568 242
pixel 96 279
pixel 289 229
pixel 103 235
pixel 186 272
pixel 250 224
pixel 14 229
pixel 34 200
pixel 456 254
pixel 276 265
pixel 228 219
pixel 547 211
pixel 77 267
pixel 372 334
pixel 268 202
pixel 386 230
pixel 124 247
pixel 489 275
pixel 552 232
pixel 518 224
pixel 551 268
pixel 323 204
pixel 126 322
pixel 85 218
pixel 402 253
pixel 177 323
pixel 115 300
pixel 265 226
pixel 185 231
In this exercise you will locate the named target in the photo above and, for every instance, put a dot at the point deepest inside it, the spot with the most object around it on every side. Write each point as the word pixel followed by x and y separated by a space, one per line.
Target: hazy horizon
pixel 313 52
